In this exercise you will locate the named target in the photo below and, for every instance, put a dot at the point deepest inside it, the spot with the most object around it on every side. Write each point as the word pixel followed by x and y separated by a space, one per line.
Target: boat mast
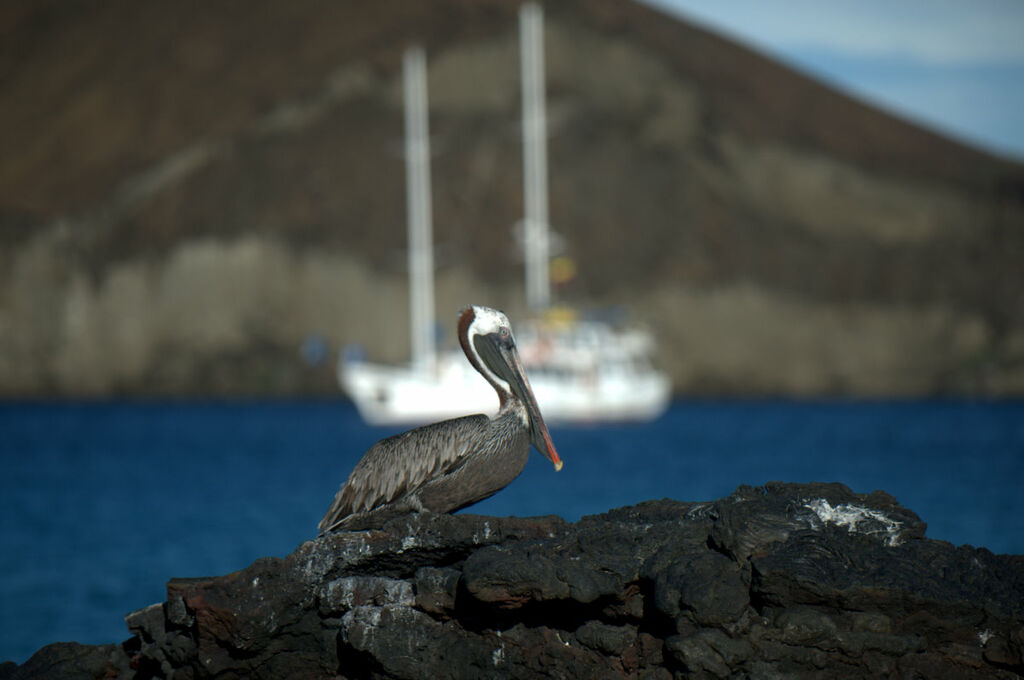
pixel 535 156
pixel 418 209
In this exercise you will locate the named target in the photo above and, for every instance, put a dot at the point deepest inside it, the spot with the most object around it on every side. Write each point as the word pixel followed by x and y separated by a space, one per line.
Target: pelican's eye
pixel 504 333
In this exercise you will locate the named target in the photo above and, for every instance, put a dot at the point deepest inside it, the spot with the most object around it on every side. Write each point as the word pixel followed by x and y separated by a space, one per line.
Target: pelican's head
pixel 486 337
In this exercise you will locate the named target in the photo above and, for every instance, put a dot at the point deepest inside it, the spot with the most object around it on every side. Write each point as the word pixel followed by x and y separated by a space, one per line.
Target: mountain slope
pixel 190 191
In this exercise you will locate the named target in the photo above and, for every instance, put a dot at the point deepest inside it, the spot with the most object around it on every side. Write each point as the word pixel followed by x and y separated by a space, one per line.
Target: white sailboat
pixel 581 371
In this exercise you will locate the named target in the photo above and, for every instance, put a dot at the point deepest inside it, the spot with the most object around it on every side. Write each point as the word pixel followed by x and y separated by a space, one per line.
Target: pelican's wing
pixel 397 466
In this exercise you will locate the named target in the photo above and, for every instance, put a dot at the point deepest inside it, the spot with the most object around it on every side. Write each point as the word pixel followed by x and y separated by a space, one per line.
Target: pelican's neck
pixel 504 390
pixel 505 396
pixel 512 405
pixel 508 402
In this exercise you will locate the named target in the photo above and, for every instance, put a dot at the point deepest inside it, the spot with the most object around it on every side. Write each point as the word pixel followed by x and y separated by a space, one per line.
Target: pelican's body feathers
pixel 462 455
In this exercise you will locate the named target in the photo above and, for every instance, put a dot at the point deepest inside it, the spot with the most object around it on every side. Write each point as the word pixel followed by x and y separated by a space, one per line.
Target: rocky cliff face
pixel 185 196
pixel 781 581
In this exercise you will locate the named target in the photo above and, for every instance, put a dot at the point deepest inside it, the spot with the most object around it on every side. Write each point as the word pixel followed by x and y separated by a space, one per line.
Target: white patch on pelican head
pixel 485 322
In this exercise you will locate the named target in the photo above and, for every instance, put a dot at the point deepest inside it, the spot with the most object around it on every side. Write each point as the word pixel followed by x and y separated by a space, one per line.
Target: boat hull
pixel 408 395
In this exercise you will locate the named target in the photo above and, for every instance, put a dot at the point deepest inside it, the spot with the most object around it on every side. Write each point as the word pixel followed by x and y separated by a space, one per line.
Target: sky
pixel 955 66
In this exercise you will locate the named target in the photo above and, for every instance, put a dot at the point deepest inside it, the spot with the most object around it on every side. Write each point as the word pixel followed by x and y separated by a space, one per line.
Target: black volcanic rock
pixel 783 580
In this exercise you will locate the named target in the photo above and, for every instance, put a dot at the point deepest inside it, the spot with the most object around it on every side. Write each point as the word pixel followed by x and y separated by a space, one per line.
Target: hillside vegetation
pixel 189 191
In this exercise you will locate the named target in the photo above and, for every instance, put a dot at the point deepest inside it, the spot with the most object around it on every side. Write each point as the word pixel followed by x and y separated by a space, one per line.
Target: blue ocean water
pixel 101 503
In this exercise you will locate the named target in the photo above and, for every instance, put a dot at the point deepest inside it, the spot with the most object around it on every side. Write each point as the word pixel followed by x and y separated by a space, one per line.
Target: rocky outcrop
pixel 778 581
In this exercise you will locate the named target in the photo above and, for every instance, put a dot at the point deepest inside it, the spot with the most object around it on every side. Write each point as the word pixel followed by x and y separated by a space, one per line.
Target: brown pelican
pixel 454 463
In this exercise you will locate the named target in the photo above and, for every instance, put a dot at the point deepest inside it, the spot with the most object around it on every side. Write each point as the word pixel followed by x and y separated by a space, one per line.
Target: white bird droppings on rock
pixel 858 519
